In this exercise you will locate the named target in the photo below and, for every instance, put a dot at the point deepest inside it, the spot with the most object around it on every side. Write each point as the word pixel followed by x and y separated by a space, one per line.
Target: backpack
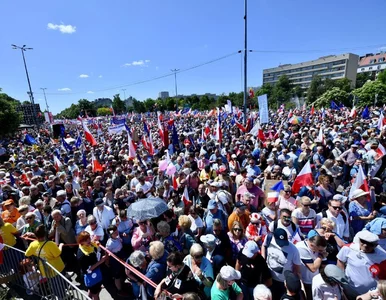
pixel 324 215
pixel 227 195
pixel 293 226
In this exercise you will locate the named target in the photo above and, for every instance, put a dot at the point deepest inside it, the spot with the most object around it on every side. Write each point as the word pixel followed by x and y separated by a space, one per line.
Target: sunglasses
pixel 92 223
pixel 286 218
pixel 287 192
pixel 368 243
pixel 337 207
pixel 237 229
pixel 141 223
pixel 199 256
pixel 29 218
pixel 306 205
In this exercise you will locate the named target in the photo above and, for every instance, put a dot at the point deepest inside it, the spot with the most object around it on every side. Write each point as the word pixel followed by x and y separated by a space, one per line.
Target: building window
pixel 362 69
pixel 382 59
pixel 370 68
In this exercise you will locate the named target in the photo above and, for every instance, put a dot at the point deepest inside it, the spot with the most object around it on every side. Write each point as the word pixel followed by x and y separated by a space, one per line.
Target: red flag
pixel 57 163
pixel 175 184
pixel 96 166
pixel 218 129
pixel 381 121
pixel 381 150
pixel 312 112
pixel 304 178
pixel 353 112
pixel 360 182
pixel 240 126
pixel 257 131
pixel 132 148
pixel 185 197
pixel 89 137
pixel 251 93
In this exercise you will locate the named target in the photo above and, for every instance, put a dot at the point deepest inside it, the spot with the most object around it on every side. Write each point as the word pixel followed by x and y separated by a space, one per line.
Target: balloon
pixel 162 165
pixel 171 170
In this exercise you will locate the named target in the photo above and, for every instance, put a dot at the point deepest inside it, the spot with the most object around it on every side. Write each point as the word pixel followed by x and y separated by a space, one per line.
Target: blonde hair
pixel 25 200
pixel 196 249
pixel 328 222
pixel 382 288
pixel 156 250
pixel 184 222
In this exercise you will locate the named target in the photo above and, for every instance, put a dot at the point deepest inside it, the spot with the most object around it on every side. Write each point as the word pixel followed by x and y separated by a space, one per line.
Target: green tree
pixel 118 105
pixel 315 90
pixel 362 78
pixel 237 99
pixel 104 111
pixel 138 106
pixel 367 92
pixel 382 77
pixel 9 118
pixel 343 83
pixel 86 107
pixel 281 92
pixel 170 103
pixel 205 102
pixel 335 94
pixel 298 91
pixel 149 104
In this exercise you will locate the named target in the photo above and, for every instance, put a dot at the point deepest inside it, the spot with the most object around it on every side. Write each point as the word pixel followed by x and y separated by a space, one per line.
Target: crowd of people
pixel 226 234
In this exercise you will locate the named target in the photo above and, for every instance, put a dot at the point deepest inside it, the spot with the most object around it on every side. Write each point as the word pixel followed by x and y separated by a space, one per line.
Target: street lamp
pixel 45 98
pixel 31 96
pixel 175 84
pixel 245 60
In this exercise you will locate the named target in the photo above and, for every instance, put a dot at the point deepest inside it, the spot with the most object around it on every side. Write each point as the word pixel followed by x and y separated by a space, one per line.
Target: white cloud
pixel 382 49
pixel 90 92
pixel 100 76
pixel 64 90
pixel 83 76
pixel 62 28
pixel 140 62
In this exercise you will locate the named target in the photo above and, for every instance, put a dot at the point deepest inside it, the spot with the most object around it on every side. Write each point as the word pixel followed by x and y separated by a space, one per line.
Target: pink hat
pixel 255 218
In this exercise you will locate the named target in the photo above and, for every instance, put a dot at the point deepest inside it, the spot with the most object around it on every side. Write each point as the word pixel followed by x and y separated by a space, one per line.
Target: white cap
pixel 228 273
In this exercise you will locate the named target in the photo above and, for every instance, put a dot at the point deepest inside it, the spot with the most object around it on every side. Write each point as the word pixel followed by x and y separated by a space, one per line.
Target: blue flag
pixel 117 121
pixel 333 105
pixel 278 186
pixel 366 113
pixel 175 139
pixel 78 141
pixel 62 130
pixel 66 145
pixel 12 179
pixel 84 159
pixel 29 140
pixel 233 121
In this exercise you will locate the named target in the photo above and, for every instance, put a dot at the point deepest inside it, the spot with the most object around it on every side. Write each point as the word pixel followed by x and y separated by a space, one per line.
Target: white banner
pixel 117 129
pixel 263 108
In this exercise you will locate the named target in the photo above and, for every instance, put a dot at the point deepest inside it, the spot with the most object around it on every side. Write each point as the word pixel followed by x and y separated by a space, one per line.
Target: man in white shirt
pixel 335 213
pixel 145 185
pixel 62 203
pixel 285 222
pixel 326 285
pixel 312 253
pixel 103 214
pixel 281 255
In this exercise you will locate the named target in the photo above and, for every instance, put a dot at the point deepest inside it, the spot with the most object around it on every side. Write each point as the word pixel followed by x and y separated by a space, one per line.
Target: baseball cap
pixel 255 217
pixel 340 198
pixel 208 239
pixel 281 237
pixel 61 193
pixel 228 273
pixel 250 249
pixel 212 204
pixel 240 204
pixel 367 236
pixel 292 282
pixel 99 202
pixel 335 273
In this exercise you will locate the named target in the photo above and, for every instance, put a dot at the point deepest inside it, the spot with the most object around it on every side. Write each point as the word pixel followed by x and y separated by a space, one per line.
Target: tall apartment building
pixel 163 95
pixel 332 66
pixel 372 63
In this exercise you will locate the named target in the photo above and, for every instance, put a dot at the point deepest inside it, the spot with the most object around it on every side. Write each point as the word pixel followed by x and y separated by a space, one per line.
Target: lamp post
pixel 31 95
pixel 124 93
pixel 175 84
pixel 245 60
pixel 45 98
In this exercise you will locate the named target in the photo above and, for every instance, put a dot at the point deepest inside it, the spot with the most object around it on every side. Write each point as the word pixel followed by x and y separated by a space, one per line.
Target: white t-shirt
pixel 324 291
pixel 104 217
pixel 341 227
pixel 280 259
pixel 97 232
pixel 293 236
pixel 358 266
pixel 266 212
pixel 307 256
pixel 196 223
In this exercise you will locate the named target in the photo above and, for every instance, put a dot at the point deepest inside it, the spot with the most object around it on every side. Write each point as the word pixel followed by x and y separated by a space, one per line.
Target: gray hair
pixel 248 195
pixel 137 258
pixel 67 184
pixel 196 249
pixel 261 292
pixel 25 200
pixel 91 218
pixel 80 211
pixel 56 212
pixel 163 228
pixel 217 222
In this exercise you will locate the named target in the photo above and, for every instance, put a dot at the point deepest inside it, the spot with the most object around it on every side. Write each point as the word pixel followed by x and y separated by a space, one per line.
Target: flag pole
pixel 245 60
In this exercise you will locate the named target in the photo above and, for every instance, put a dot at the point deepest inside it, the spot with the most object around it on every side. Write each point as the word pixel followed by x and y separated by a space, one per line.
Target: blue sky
pixel 117 43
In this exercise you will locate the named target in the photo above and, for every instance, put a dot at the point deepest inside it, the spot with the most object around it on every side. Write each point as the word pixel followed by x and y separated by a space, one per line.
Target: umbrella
pixel 295 120
pixel 148 208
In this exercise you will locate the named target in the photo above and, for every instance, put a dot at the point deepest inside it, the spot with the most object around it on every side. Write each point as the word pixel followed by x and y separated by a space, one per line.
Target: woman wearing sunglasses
pixel 286 200
pixel 304 216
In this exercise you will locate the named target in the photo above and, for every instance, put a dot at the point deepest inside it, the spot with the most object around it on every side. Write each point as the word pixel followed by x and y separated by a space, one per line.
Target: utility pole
pixel 245 59
pixel 45 98
pixel 175 84
pixel 30 93
pixel 124 93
